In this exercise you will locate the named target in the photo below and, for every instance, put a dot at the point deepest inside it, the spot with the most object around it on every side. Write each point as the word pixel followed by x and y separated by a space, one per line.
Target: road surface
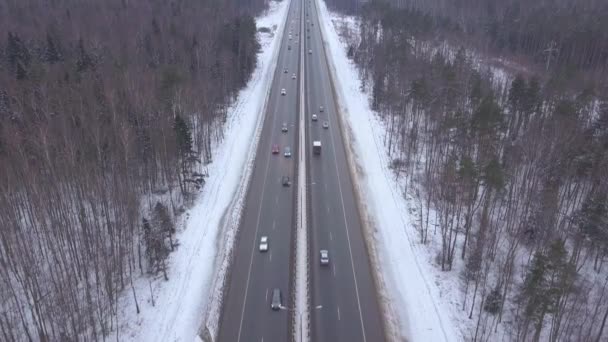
pixel 345 288
pixel 269 211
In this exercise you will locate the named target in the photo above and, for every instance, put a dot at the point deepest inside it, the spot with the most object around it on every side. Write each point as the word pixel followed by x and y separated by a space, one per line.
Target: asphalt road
pixel 269 211
pixel 345 288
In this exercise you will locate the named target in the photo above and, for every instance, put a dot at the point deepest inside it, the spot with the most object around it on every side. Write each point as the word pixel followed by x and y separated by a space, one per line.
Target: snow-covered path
pixel 197 266
pixel 407 278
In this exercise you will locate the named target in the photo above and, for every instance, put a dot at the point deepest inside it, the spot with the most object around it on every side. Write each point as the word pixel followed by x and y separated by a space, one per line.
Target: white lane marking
pixel 266 294
pixel 270 256
pixel 333 145
pixel 338 313
pixel 327 209
pixel 330 237
pixel 334 270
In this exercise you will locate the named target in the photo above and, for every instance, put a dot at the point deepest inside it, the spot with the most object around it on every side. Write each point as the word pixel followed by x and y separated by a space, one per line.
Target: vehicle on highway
pixel 324 257
pixel 285 181
pixel 314 117
pixel 285 70
pixel 321 109
pixel 325 124
pixel 308 37
pixel 283 91
pixel 316 147
pixel 287 152
pixel 293 76
pixel 276 300
pixel 310 52
pixel 284 128
pixel 288 47
pixel 264 244
pixel 275 149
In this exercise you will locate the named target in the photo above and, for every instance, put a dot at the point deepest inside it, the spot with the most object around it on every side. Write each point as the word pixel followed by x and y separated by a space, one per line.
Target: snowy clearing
pixel 425 311
pixel 178 307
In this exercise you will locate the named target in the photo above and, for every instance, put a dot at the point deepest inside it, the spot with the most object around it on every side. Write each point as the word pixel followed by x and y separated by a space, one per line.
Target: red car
pixel 275 149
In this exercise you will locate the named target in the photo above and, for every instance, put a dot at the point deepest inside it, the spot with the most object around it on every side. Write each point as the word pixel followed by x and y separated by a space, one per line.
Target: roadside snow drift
pixel 178 306
pixel 408 278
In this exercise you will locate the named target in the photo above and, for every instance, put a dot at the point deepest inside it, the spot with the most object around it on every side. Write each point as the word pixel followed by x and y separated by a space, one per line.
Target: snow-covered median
pixel 187 300
pixel 424 313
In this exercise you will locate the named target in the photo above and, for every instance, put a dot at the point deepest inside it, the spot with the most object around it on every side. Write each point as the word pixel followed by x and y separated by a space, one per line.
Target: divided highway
pixel 344 288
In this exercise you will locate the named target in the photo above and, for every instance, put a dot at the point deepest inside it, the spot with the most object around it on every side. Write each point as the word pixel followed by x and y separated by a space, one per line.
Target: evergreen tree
pixel 84 61
pixel 493 301
pixel 52 54
pixel 547 281
pixel 163 221
pixel 183 137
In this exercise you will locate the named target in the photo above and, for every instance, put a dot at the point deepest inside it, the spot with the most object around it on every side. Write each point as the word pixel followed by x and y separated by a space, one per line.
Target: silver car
pixel 324 257
pixel 287 152
pixel 325 124
pixel 264 244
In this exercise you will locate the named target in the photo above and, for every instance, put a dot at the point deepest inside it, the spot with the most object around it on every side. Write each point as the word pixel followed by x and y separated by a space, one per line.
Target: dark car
pixel 276 300
pixel 275 149
pixel 285 181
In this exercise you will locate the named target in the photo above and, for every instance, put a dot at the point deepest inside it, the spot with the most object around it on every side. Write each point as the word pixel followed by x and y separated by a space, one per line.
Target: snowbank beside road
pixel 196 269
pixel 422 311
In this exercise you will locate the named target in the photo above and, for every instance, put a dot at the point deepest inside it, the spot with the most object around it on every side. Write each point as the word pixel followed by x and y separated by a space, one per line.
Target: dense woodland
pixel 567 37
pixel 511 170
pixel 108 113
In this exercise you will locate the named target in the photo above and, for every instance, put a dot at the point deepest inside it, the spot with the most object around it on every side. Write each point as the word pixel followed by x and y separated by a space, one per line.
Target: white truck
pixel 316 147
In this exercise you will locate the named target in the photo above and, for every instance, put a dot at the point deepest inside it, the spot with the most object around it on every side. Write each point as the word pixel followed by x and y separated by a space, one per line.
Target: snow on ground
pixel 426 311
pixel 179 306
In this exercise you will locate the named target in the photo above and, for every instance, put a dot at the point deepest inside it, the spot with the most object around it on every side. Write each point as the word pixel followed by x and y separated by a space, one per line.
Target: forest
pixel 508 172
pixel 109 111
pixel 569 38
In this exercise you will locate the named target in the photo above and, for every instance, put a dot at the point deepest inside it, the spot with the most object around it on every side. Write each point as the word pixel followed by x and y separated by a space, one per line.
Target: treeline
pixel 512 171
pixel 108 114
pixel 565 37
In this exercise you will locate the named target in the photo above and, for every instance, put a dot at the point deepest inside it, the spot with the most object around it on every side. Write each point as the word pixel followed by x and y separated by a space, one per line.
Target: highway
pixel 269 211
pixel 345 288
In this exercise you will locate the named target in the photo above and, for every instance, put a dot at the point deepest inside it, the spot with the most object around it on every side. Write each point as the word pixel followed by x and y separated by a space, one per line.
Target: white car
pixel 293 76
pixel 321 109
pixel 287 152
pixel 314 117
pixel 310 51
pixel 264 244
pixel 325 124
pixel 283 91
pixel 324 257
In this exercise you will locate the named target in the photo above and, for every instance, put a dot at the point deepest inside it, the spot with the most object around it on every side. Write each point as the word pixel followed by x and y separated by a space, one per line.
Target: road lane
pixel 269 211
pixel 346 287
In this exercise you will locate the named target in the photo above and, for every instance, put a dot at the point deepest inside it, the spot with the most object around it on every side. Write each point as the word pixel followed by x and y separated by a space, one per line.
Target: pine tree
pixel 183 137
pixel 84 61
pixel 52 54
pixel 493 301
